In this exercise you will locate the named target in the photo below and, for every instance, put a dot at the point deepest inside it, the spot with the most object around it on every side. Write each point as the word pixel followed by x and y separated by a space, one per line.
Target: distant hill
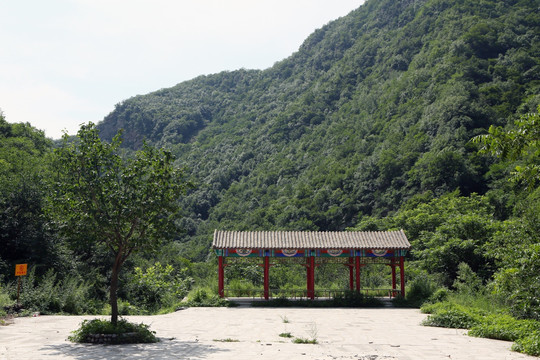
pixel 373 109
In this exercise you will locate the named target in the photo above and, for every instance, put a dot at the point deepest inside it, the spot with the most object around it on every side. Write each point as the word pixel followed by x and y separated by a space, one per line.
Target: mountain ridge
pixel 374 109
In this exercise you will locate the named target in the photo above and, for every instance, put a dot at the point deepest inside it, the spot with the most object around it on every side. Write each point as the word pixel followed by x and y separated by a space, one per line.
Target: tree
pixel 126 203
pixel 519 144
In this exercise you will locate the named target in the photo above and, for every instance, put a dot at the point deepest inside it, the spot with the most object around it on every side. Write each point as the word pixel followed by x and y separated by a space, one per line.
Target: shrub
pixel 420 290
pixel 504 327
pixel 158 286
pixel 452 316
pixel 138 333
pixel 242 288
pixel 203 297
pixel 50 295
pixel 439 295
pixel 529 344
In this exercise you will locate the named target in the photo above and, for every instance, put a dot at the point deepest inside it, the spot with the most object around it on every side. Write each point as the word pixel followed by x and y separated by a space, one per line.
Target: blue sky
pixel 67 62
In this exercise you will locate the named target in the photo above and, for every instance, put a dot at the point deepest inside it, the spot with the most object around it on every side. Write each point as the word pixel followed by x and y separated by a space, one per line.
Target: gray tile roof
pixel 310 240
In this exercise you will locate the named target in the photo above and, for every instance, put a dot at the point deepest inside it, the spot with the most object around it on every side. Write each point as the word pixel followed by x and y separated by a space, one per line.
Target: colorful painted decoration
pixel 379 252
pixel 243 252
pixel 289 252
pixel 334 252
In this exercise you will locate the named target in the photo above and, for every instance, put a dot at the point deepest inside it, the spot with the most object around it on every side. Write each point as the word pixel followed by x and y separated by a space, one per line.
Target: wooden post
pixel 351 273
pixel 311 290
pixel 266 277
pixel 308 276
pixel 402 275
pixel 221 277
pixel 18 289
pixel 357 267
pixel 393 265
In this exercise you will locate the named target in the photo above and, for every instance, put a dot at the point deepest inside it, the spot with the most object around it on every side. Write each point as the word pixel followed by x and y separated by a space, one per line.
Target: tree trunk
pixel 114 287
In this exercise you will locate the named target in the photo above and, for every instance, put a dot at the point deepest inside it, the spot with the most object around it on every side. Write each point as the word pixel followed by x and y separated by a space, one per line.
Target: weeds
pixel 226 340
pixel 304 341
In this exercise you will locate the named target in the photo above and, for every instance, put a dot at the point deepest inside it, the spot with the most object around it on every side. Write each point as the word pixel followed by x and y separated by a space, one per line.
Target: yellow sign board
pixel 20 269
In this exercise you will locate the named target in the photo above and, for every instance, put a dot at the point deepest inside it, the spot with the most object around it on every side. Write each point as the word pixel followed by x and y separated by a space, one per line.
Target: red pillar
pixel 308 277
pixel 266 277
pixel 312 277
pixel 393 265
pixel 357 268
pixel 402 275
pixel 351 273
pixel 221 277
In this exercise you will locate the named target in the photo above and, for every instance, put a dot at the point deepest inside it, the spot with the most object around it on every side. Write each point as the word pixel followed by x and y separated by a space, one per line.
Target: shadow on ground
pixel 165 349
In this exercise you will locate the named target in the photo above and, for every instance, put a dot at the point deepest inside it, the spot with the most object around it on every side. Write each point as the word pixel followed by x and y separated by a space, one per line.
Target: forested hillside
pixel 374 109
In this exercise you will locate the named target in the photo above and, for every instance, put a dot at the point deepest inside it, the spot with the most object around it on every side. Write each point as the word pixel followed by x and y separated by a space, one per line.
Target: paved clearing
pixel 206 333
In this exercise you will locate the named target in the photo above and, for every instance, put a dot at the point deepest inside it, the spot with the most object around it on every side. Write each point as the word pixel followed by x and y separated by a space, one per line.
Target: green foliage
pixel 286 335
pixel 444 233
pixel 127 204
pixel 202 297
pixel 520 143
pixel 305 341
pixel 242 288
pixel 518 254
pixel 138 333
pixel 420 290
pixel 158 286
pixel 529 344
pixel 348 299
pixel 467 282
pixel 504 327
pixel 49 295
pixel 452 316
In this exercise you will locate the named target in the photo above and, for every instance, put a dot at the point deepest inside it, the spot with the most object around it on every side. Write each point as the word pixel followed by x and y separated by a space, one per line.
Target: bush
pixel 504 327
pixel 202 297
pixel 419 291
pixel 49 295
pixel 439 295
pixel 529 344
pixel 242 288
pixel 452 316
pixel 138 333
pixel 158 287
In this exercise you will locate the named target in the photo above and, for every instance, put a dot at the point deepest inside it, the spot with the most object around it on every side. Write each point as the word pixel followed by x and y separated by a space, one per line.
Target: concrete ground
pixel 253 333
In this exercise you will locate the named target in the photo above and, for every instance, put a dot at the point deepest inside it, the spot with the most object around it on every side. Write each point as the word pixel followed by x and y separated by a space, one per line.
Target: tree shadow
pixel 165 349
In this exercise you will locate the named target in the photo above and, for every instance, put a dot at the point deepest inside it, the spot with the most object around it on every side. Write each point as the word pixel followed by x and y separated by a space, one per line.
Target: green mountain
pixel 373 110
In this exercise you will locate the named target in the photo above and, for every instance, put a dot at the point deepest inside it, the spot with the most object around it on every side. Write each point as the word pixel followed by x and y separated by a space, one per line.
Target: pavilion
pixel 354 249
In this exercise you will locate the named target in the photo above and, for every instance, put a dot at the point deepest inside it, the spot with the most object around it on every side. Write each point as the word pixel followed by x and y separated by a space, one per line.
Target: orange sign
pixel 20 269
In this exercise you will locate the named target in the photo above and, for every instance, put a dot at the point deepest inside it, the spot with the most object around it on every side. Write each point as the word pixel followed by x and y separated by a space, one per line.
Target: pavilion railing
pixel 303 294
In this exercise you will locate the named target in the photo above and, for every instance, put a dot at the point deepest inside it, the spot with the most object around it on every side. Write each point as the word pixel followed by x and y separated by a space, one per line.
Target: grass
pixel 304 341
pixel 286 335
pixel 226 340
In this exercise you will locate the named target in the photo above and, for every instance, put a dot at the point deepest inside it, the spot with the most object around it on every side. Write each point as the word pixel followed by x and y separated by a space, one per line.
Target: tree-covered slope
pixel 373 109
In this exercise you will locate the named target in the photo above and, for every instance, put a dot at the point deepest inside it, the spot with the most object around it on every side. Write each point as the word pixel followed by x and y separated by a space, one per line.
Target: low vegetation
pixel 125 332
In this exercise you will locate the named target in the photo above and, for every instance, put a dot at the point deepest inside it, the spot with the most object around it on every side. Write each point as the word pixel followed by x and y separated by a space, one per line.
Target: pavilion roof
pixel 310 240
